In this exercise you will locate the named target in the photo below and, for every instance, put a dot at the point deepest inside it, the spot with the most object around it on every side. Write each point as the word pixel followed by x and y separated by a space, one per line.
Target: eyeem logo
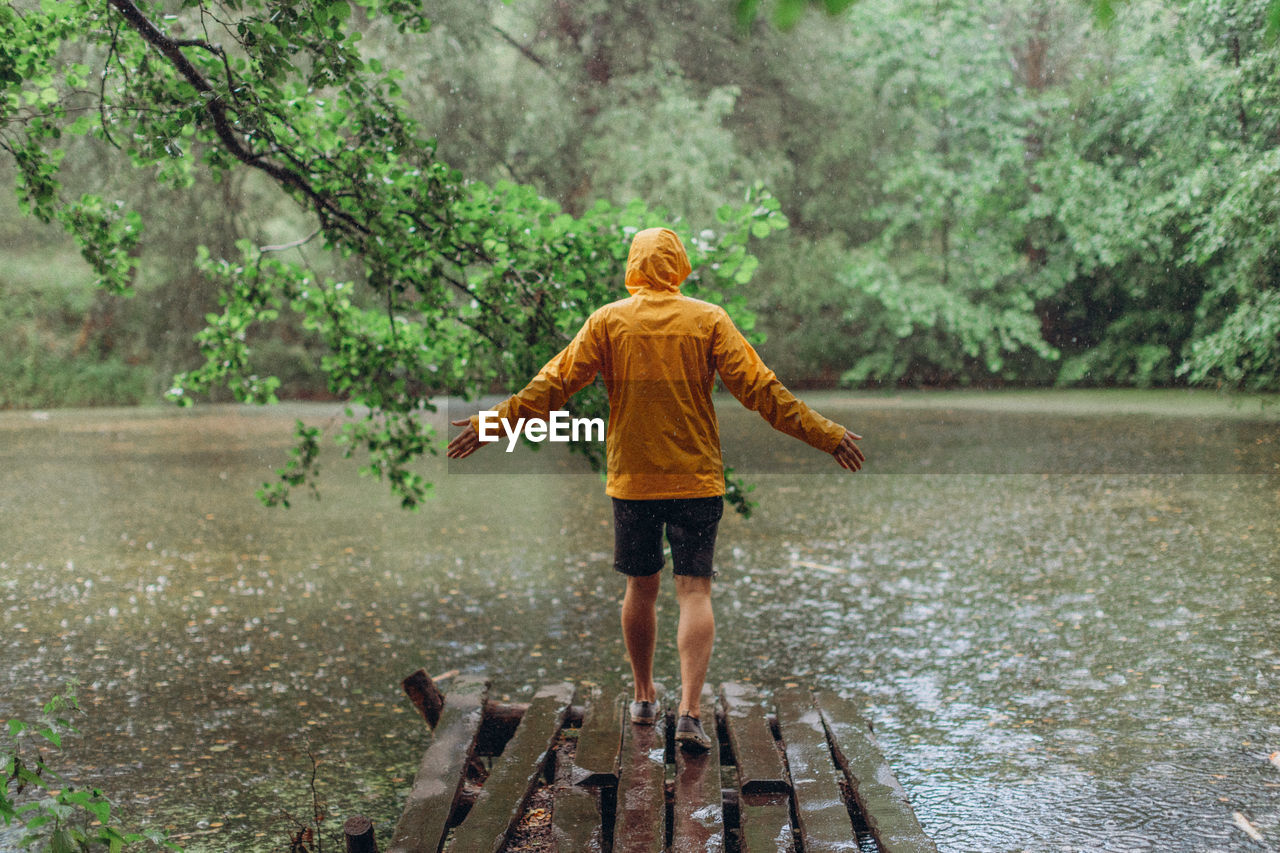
pixel 559 426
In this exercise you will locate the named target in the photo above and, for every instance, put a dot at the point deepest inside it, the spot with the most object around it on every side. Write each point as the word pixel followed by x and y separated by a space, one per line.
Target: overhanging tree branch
pixel 217 109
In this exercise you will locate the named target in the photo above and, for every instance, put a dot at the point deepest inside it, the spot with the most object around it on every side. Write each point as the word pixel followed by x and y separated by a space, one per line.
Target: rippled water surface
pixel 1061 619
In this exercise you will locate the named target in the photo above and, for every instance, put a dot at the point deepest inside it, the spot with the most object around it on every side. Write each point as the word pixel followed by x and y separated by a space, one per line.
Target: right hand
pixel 464 443
pixel 848 455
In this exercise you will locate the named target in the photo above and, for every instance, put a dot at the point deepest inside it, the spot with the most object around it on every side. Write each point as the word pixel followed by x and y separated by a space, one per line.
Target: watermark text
pixel 559 426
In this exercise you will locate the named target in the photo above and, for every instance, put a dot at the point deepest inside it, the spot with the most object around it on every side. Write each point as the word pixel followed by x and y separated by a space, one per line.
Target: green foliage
pixel 785 14
pixel 433 283
pixel 51 341
pixel 1242 352
pixel 1010 193
pixel 1062 203
pixel 952 280
pixel 1163 203
pixel 56 815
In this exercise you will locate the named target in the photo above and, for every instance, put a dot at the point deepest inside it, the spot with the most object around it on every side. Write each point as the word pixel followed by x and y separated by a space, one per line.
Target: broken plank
pixel 600 742
pixel 698 811
pixel 822 817
pixel 879 797
pixel 425 696
pixel 575 826
pixel 754 749
pixel 765 824
pixel 641 824
pixel 436 786
pixel 514 774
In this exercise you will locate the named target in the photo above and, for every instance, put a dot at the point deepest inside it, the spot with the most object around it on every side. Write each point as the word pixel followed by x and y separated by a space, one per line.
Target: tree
pixel 950 283
pixel 1165 205
pixel 433 283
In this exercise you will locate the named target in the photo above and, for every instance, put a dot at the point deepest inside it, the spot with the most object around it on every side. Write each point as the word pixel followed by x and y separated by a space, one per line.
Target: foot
pixel 644 713
pixel 690 736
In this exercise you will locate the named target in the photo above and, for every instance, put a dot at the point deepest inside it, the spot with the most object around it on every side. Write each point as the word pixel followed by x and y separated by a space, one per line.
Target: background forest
pixel 1014 192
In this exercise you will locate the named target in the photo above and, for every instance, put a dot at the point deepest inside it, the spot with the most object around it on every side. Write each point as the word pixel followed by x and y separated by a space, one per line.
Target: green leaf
pixel 1104 12
pixel 788 13
pixel 745 13
pixel 746 270
pixel 63 842
pixel 99 808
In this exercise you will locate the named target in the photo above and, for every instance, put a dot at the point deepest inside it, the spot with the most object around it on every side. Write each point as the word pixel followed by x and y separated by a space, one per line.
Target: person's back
pixel 659 353
pixel 663 439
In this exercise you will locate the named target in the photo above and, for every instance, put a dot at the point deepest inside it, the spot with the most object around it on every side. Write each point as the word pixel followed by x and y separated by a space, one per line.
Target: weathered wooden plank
pixel 436 786
pixel 576 822
pixel 641 824
pixel 698 811
pixel 514 774
pixel 754 749
pixel 822 817
pixel 764 807
pixel 879 797
pixel 765 821
pixel 600 742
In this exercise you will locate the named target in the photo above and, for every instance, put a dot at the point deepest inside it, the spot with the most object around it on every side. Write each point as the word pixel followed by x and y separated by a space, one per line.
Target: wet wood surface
pixel 600 742
pixel 438 782
pixel 697 814
pixel 425 696
pixel 576 821
pixel 879 797
pixel 765 824
pixel 641 811
pixel 357 834
pixel 760 768
pixel 822 817
pixel 627 788
pixel 514 774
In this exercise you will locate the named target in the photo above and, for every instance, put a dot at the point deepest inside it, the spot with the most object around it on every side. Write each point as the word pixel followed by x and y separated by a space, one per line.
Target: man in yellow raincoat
pixel 659 352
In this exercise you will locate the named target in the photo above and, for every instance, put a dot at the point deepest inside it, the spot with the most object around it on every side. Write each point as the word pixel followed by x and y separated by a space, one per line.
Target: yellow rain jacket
pixel 659 352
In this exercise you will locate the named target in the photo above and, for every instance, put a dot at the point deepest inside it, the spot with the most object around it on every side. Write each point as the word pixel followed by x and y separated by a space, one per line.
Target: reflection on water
pixel 1053 660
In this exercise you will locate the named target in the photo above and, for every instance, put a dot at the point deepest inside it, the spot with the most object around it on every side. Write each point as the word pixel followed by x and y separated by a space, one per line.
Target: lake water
pixel 1059 611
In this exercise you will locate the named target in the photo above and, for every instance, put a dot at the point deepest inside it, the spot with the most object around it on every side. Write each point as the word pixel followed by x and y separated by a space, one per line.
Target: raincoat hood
pixel 657 261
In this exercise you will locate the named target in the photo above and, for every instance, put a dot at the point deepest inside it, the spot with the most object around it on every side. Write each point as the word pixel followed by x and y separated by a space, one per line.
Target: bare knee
pixel 644 589
pixel 691 588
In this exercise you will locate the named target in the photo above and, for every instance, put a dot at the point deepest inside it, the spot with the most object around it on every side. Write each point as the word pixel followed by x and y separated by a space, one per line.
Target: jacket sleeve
pixel 754 385
pixel 568 372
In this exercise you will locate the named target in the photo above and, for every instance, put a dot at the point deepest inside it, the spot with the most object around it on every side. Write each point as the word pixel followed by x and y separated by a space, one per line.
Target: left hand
pixel 848 455
pixel 464 443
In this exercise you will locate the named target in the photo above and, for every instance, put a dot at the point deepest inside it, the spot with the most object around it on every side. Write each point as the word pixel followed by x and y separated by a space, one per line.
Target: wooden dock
pixel 568 772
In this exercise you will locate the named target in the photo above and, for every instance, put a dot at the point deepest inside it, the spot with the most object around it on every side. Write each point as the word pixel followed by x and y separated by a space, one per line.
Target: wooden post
pixel 358 831
pixel 426 697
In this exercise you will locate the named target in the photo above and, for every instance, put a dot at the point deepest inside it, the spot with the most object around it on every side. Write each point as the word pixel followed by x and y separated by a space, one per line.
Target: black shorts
pixel 691 529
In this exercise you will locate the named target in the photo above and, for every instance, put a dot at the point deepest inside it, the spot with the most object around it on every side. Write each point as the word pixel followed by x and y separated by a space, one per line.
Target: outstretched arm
pixel 747 377
pixel 571 370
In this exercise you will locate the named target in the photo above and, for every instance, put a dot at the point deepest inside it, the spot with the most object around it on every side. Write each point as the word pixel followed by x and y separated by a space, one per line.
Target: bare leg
pixel 694 638
pixel 640 631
